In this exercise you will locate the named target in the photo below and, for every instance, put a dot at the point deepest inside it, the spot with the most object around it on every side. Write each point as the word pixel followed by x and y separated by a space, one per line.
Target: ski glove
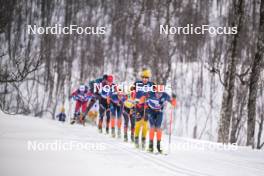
pixel 173 102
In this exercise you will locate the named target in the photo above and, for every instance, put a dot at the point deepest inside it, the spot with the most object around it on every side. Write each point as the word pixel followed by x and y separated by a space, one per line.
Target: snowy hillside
pixel 110 156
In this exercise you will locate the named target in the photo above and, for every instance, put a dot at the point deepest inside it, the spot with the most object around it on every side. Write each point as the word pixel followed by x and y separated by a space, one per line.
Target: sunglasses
pixel 145 77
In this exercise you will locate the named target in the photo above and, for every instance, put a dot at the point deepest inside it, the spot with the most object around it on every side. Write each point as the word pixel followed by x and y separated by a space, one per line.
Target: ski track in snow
pixel 118 154
pixel 161 161
pixel 156 160
pixel 224 158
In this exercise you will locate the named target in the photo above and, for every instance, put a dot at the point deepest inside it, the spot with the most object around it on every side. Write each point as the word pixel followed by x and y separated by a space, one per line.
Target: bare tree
pixel 230 75
pixel 22 68
pixel 254 80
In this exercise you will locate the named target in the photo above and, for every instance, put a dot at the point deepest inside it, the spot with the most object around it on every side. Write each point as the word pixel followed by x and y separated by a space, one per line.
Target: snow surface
pixel 116 158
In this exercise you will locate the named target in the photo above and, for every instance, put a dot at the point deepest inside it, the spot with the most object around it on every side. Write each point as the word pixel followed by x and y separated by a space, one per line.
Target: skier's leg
pixel 77 108
pixel 101 116
pixel 151 137
pixel 126 116
pixel 108 115
pixel 82 114
pixel 132 123
pixel 139 124
pixel 144 129
pixel 113 116
pixel 152 129
pixel 144 132
pixel 137 130
pixel 91 103
pixel 159 130
pixel 76 111
pixel 119 120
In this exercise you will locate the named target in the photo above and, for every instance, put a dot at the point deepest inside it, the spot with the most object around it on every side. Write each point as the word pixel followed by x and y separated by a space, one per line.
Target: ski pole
pixel 70 109
pixel 170 130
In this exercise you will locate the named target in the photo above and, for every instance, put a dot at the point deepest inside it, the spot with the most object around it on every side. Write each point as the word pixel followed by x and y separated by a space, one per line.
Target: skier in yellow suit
pixel 141 89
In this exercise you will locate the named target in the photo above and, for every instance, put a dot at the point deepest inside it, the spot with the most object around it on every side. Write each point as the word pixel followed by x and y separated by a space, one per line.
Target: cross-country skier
pixel 156 102
pixel 61 116
pixel 117 99
pixel 104 103
pixel 95 91
pixel 81 96
pixel 141 89
pixel 93 113
pixel 129 114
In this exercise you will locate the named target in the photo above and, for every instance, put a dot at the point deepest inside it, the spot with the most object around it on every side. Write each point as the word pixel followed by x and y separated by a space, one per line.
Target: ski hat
pixel 110 78
pixel 62 109
pixel 82 88
pixel 145 73
pixel 105 76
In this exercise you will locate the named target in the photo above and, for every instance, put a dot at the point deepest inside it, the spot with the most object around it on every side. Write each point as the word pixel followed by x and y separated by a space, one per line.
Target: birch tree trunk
pixel 254 79
pixel 230 74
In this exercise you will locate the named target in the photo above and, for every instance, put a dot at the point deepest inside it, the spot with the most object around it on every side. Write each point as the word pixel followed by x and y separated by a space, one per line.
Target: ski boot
pixel 81 119
pixel 158 147
pixel 72 121
pixel 107 130
pixel 100 129
pixel 125 137
pixel 100 126
pixel 75 117
pixel 136 142
pixel 150 149
pixel 132 138
pixel 119 133
pixel 143 143
pixel 113 133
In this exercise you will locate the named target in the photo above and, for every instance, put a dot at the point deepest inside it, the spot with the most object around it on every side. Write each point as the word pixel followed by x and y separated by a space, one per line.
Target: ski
pixel 161 153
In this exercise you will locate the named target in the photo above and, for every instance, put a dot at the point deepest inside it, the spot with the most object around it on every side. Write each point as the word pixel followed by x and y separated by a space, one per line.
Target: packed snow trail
pixel 116 158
